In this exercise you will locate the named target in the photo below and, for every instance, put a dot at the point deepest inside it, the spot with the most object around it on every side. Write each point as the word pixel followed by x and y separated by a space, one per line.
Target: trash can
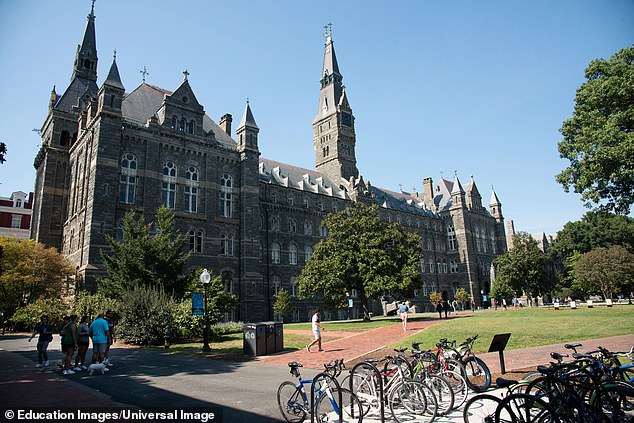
pixel 270 337
pixel 254 342
pixel 279 336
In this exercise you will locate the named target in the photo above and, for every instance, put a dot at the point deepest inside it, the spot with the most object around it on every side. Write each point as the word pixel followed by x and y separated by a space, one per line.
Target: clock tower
pixel 333 128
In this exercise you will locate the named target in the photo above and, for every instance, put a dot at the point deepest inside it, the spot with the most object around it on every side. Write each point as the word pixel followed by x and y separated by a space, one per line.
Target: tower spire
pixel 86 57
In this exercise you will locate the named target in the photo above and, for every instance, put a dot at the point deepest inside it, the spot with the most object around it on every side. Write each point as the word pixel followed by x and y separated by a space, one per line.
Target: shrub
pixel 225 328
pixel 87 304
pixel 26 317
pixel 146 315
pixel 185 324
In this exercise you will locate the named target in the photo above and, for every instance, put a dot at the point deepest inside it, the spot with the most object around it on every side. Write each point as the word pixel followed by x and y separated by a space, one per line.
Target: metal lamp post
pixel 205 278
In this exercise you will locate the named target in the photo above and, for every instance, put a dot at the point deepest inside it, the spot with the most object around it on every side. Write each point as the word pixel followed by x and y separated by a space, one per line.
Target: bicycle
pixel 482 407
pixel 294 403
pixel 478 374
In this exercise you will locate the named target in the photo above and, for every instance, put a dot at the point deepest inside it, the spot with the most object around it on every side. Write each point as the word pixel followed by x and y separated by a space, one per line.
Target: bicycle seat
pixel 558 356
pixel 371 360
pixel 295 364
pixel 581 355
pixel 546 369
pixel 504 383
pixel 400 350
pixel 416 345
pixel 572 346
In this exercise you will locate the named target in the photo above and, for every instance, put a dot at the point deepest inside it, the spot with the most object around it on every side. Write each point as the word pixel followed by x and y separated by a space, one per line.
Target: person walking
pixel 504 304
pixel 445 306
pixel 111 339
pixel 439 310
pixel 316 325
pixel 454 306
pixel 403 309
pixel 69 343
pixel 45 335
pixel 100 336
pixel 83 341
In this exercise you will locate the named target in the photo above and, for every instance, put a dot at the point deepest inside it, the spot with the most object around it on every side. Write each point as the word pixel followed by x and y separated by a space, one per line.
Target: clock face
pixel 346 119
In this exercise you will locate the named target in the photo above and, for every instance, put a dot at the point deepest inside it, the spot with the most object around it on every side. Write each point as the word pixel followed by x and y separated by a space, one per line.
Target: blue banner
pixel 198 308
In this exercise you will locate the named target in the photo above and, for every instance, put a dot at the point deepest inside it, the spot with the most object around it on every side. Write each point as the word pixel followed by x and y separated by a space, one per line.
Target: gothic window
pixel 334 208
pixel 181 125
pixel 493 246
pixel 226 245
pixel 430 245
pixel 274 197
pixel 292 225
pixel 168 188
pixel 320 205
pixel 293 286
pixel 174 119
pixel 191 127
pixel 226 196
pixel 64 138
pixel 422 264
pixel 292 254
pixel 275 223
pixel 291 200
pixel 191 189
pixel 119 234
pixel 477 238
pixel 308 253
pixel 308 228
pixel 227 281
pixel 451 236
pixel 196 241
pixel 277 284
pixel 430 262
pixel 275 253
pixel 444 265
pixel 323 231
pixel 306 203
pixel 127 180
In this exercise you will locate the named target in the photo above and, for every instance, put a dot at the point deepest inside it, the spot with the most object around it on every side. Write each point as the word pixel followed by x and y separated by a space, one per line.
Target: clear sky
pixel 474 87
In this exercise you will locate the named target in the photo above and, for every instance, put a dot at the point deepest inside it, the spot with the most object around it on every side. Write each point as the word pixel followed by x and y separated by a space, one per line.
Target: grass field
pixel 530 327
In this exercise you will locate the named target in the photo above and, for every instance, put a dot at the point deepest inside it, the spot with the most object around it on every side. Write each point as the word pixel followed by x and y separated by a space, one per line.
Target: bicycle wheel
pixel 524 408
pixel 442 391
pixel 291 402
pixel 365 390
pixel 481 409
pixel 478 374
pixel 458 385
pixel 412 401
pixel 328 409
pixel 616 401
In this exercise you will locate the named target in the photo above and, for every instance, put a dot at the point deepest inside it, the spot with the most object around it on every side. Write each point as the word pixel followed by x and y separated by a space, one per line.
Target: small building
pixel 15 215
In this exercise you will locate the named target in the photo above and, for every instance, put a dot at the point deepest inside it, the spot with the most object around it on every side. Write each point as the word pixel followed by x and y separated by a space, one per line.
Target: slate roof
pixel 146 100
pixel 75 90
pixel 298 178
pixel 401 201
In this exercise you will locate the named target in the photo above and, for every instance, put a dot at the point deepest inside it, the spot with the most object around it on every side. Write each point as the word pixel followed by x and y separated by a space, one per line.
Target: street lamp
pixel 205 278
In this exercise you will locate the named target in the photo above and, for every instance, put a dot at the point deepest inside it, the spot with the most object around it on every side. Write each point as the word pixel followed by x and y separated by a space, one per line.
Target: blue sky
pixel 477 87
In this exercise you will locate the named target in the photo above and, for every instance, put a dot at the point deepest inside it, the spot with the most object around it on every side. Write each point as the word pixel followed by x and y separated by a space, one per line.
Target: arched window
pixel 292 254
pixel 196 241
pixel 127 180
pixel 308 228
pixel 275 253
pixel 190 127
pixel 293 290
pixel 323 231
pixel 168 187
pixel 174 120
pixel 277 284
pixel 191 189
pixel 226 200
pixel 181 125
pixel 308 253
pixel 64 139
pixel 226 245
pixel 275 223
pixel 227 281
pixel 292 225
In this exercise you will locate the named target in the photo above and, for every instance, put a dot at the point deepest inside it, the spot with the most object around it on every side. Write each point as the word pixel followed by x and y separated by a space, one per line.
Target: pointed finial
pixel 186 73
pixel 92 9
pixel 247 100
pixel 144 73
pixel 328 30
pixel 114 55
pixel 455 173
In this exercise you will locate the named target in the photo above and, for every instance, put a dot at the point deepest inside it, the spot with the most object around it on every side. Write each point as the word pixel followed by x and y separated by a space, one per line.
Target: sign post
pixel 499 344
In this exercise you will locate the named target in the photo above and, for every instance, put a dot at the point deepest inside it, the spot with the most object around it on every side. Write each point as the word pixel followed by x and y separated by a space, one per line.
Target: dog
pixel 96 367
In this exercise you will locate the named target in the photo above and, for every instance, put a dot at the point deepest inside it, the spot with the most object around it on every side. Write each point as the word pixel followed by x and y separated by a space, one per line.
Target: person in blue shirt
pixel 402 311
pixel 100 335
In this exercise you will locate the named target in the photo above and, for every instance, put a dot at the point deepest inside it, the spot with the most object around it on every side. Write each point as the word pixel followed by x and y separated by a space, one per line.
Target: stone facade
pixel 251 219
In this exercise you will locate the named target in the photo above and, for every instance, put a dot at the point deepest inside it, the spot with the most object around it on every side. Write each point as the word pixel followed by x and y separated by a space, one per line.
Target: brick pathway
pixel 351 346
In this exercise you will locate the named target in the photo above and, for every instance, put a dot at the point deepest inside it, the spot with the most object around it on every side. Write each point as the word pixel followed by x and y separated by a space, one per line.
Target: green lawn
pixel 354 325
pixel 530 327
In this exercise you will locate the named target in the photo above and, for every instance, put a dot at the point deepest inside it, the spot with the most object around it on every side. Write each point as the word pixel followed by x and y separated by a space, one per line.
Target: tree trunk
pixel 364 303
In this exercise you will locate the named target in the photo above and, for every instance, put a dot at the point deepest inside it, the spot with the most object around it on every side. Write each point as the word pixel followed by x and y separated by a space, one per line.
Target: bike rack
pixel 325 375
pixel 374 370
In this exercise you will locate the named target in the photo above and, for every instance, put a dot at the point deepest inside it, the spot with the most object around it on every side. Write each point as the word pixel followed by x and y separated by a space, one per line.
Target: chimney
pixel 225 123
pixel 428 190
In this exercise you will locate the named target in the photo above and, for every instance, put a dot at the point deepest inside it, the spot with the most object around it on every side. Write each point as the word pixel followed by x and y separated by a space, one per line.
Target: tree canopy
pixel 3 152
pixel 605 270
pixel 29 271
pixel 363 253
pixel 599 137
pixel 523 268
pixel 149 254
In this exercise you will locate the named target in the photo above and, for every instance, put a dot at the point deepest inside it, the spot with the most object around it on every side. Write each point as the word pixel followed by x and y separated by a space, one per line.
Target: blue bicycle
pixel 295 404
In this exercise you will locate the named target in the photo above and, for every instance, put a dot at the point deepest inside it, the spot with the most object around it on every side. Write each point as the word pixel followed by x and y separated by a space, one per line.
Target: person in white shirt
pixel 316 320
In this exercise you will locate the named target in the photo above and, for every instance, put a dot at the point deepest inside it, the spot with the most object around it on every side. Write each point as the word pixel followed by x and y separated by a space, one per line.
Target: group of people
pixel 75 339
pixel 447 308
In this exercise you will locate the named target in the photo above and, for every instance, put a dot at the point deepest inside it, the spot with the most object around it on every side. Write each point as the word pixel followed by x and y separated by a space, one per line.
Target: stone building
pixel 253 220
pixel 15 215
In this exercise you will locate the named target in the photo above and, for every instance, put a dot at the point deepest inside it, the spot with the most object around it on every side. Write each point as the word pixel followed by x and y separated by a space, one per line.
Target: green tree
pixel 149 254
pixel 26 317
pixel 87 304
pixel 282 304
pixel 523 268
pixel 605 270
pixel 462 296
pixel 364 253
pixel 599 137
pixel 218 300
pixel 3 152
pixel 30 271
pixel 501 290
